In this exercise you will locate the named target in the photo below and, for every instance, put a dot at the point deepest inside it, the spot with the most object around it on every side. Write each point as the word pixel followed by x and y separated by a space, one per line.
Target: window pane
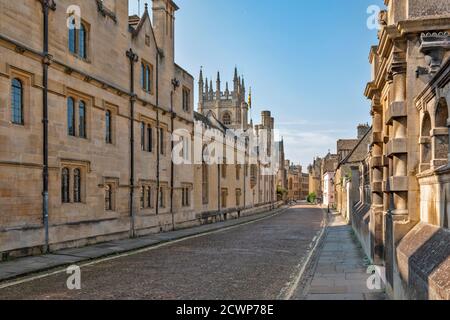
pixel 143 136
pixel 65 181
pixel 149 139
pixel 77 185
pixel 108 198
pixel 147 76
pixel 82 119
pixel 108 127
pixel 82 42
pixel 71 117
pixel 17 102
pixel 142 197
pixel 72 35
pixel 161 140
pixel 143 76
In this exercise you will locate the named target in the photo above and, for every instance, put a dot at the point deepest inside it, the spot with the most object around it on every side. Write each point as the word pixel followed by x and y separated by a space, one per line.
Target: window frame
pixel 82 112
pixel 109 205
pixel 186 99
pixel 78 39
pixel 71 117
pixel 108 127
pixel 14 107
pixel 80 120
pixel 77 180
pixel 147 77
pixel 65 185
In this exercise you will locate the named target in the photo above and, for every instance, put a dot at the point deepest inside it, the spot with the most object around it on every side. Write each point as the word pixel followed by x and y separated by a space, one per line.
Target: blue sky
pixel 306 61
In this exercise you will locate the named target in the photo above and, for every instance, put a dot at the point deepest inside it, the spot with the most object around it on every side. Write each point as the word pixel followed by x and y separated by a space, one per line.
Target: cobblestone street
pixel 260 260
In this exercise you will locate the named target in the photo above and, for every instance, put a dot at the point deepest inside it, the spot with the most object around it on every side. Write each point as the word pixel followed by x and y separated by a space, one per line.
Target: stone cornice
pixel 388 34
pixel 371 90
pixel 423 25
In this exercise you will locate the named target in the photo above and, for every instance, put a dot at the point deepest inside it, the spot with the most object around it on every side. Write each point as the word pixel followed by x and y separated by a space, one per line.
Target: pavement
pixel 338 271
pixel 256 260
pixel 62 258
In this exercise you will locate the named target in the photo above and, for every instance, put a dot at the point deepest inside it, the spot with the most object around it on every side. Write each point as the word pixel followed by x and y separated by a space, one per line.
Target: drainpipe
pixel 133 59
pixel 245 176
pixel 157 135
pixel 46 61
pixel 175 84
pixel 219 176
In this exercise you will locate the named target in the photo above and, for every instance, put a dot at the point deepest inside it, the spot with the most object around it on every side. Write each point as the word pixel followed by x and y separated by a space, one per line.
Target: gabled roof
pixel 132 20
pixel 356 147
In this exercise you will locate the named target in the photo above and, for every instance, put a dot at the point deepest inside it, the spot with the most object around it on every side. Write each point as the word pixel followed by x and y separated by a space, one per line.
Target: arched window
pixel 82 42
pixel 72 35
pixel 108 198
pixel 226 118
pixel 82 119
pixel 65 182
pixel 108 127
pixel 71 116
pixel 77 185
pixel 17 101
pixel 77 38
pixel 148 85
pixel 426 142
pixel 143 75
pixel 290 184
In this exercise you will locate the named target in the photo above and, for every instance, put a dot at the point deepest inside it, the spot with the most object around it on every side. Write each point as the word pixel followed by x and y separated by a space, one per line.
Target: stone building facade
pixel 282 181
pixel 89 101
pixel 350 186
pixel 304 191
pixel 315 178
pixel 409 92
pixel 328 171
pixel 294 175
pixel 351 152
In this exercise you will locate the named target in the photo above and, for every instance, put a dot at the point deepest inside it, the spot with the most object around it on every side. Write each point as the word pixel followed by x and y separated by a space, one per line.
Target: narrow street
pixel 260 260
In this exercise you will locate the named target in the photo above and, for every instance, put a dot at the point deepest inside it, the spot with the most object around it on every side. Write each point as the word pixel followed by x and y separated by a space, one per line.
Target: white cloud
pixel 303 146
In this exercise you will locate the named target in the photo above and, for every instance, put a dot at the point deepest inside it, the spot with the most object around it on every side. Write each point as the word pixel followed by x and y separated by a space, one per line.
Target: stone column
pixel 397 147
pixel 376 165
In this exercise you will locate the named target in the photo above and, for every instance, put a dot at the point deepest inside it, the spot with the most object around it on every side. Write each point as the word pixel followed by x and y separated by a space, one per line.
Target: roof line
pixel 354 149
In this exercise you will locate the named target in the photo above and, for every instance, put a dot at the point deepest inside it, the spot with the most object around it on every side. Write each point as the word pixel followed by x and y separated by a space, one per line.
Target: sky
pixel 306 61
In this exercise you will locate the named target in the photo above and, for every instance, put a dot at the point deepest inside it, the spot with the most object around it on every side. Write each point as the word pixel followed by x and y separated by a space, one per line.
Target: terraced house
pixel 89 98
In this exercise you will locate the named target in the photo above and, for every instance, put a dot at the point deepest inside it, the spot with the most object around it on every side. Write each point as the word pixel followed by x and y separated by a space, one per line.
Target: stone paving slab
pixel 29 265
pixel 339 268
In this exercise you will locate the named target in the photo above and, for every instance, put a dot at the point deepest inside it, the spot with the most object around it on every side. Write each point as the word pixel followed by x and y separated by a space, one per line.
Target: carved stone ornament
pixel 433 46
